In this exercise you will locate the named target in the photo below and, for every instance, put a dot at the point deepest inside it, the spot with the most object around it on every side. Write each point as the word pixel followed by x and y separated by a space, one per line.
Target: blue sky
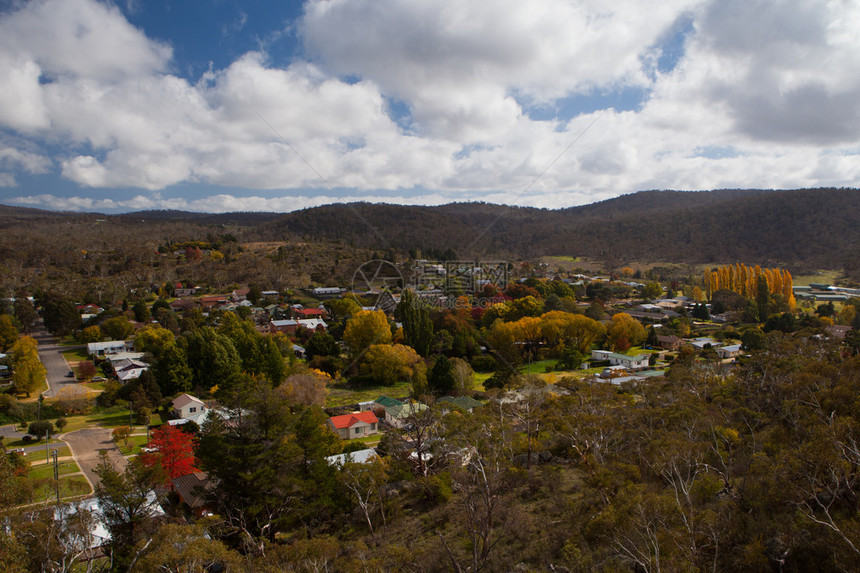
pixel 223 105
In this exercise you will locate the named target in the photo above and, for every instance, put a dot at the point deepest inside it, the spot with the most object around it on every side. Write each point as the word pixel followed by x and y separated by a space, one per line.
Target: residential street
pixel 55 364
pixel 86 445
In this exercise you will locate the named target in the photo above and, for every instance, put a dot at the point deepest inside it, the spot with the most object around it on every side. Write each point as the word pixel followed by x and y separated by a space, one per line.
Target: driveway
pixel 86 445
pixel 55 364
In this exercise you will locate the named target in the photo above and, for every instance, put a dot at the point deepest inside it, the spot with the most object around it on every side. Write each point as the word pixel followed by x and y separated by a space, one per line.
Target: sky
pixel 227 105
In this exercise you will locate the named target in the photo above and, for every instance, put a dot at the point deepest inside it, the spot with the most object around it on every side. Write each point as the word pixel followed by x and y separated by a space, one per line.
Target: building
pixel 355 425
pixel 628 362
pixel 101 349
pixel 327 292
pixel 397 416
pixel 187 408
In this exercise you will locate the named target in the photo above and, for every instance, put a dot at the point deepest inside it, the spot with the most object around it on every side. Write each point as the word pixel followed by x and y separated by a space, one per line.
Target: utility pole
pixel 39 409
pixel 57 477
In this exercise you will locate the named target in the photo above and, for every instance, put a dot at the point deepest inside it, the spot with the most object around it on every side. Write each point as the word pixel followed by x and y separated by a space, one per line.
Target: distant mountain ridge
pixel 816 228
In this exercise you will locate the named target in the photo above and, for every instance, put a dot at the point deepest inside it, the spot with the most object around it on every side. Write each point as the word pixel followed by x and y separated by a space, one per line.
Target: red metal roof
pixel 349 420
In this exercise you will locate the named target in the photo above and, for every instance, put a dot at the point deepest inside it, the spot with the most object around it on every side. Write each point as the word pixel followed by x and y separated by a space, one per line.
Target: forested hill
pixel 809 227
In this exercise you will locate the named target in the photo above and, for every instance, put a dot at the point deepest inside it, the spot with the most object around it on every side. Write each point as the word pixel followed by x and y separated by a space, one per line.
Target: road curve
pixel 86 445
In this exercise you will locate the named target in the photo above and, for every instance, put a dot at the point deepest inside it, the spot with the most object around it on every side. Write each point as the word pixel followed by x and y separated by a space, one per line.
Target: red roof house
pixel 355 425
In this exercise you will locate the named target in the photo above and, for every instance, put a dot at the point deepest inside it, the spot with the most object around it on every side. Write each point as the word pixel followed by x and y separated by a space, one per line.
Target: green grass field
pixel 134 445
pixel 42 471
pixel 72 486
pixel 342 394
pixel 39 456
pixel 827 277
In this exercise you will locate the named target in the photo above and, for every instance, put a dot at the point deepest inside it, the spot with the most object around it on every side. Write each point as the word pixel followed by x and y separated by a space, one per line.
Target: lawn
pixel 826 277
pixel 134 445
pixel 23 444
pixel 71 486
pixel 39 456
pixel 341 394
pixel 42 471
pixel 75 354
pixel 112 419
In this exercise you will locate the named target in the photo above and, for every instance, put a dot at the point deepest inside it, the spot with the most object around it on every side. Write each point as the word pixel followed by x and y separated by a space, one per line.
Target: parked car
pixel 99 378
pixel 71 374
pixel 148 450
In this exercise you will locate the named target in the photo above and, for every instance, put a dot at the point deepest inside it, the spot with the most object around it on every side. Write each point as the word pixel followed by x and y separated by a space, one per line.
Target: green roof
pixel 464 402
pixel 387 402
pixel 404 410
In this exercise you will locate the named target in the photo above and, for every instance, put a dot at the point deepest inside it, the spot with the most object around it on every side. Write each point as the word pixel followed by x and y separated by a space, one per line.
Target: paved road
pixel 55 364
pixel 86 445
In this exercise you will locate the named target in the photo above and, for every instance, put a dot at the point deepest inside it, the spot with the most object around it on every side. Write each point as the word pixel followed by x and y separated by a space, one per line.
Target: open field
pixel 341 394
pixel 46 470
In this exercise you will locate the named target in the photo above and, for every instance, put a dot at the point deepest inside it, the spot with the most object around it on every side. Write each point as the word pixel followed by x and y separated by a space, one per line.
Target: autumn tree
pixel 174 453
pixel 366 328
pixel 29 372
pixel 305 388
pixel 8 332
pixel 625 329
pixel 389 364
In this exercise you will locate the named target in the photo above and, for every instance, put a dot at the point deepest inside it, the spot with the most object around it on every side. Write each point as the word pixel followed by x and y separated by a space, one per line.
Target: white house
pixel 109 347
pixel 631 362
pixel 189 409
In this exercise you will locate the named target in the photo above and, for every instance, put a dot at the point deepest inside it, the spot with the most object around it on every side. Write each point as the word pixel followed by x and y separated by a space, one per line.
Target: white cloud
pixel 776 82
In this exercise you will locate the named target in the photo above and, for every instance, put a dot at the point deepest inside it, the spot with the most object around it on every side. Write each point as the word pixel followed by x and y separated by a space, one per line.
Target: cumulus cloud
pixel 397 97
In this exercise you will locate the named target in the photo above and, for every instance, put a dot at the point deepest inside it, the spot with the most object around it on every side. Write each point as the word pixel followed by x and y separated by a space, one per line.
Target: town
pixel 437 407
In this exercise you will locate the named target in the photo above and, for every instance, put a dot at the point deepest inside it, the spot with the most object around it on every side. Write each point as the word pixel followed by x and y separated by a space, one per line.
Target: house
pixel 355 425
pixel 101 349
pixel 732 351
pixel 309 313
pixel 838 331
pixel 192 490
pixel 315 324
pixel 188 408
pixel 672 343
pixel 90 309
pixel 285 326
pixel 704 342
pixel 240 294
pixel 327 292
pixel 290 326
pixel 213 301
pixel 358 457
pixel 179 291
pixel 183 304
pixel 628 362
pixel 466 403
pixel 128 369
pixel 299 351
pixel 398 415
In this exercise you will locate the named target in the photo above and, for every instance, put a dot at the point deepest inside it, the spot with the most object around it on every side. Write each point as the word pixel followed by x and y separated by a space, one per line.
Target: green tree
pixel 212 358
pixel 141 311
pixel 321 344
pixel 172 372
pixel 127 502
pixel 652 290
pixel 117 328
pixel 154 339
pixel 60 315
pixel 41 429
pixel 186 548
pixel 25 312
pixel 416 322
pixel 441 381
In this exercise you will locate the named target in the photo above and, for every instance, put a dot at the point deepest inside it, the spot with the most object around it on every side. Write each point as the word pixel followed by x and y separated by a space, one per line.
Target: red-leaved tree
pixel 175 452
